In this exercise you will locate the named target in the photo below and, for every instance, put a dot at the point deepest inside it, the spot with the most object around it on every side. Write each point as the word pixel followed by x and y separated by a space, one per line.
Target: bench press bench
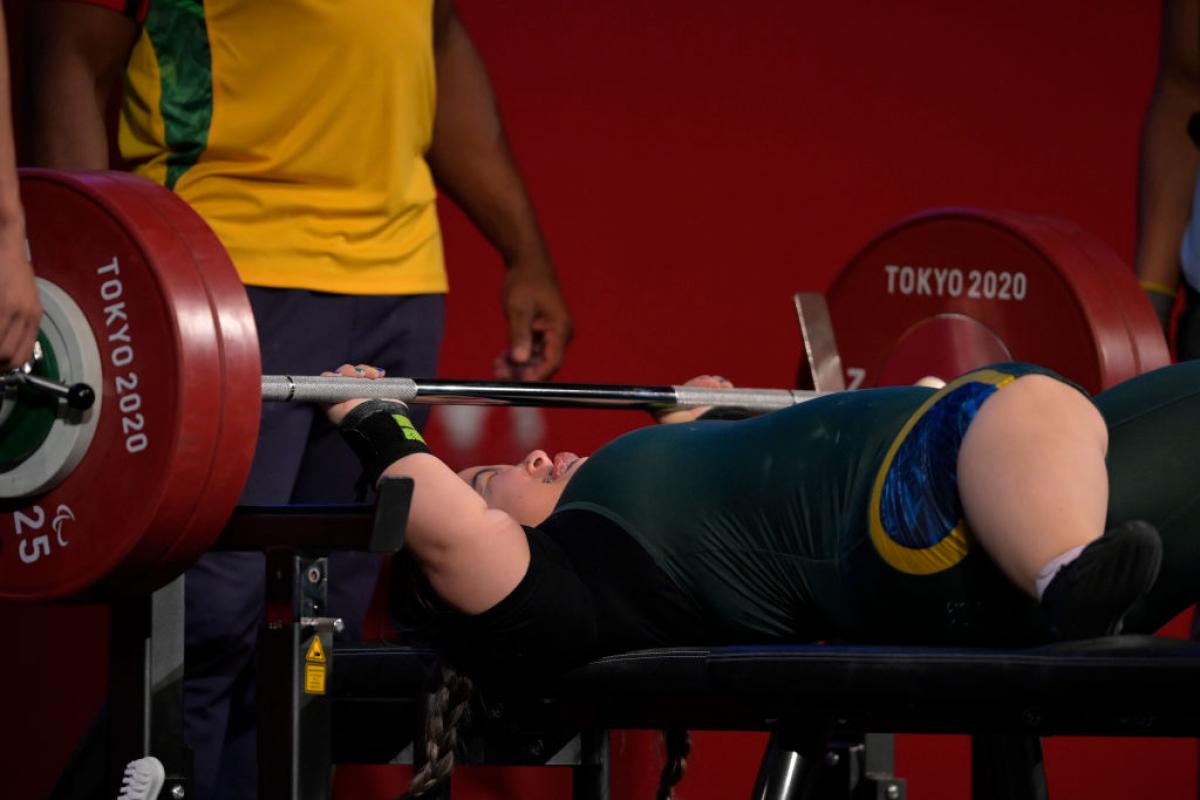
pixel 813 698
pixel 809 695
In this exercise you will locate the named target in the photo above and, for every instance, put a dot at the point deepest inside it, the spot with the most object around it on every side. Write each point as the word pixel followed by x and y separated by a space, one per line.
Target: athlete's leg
pixel 1154 474
pixel 1032 476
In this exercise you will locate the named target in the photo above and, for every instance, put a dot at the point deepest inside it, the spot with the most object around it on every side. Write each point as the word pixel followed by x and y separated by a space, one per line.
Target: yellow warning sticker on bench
pixel 314 679
pixel 316 653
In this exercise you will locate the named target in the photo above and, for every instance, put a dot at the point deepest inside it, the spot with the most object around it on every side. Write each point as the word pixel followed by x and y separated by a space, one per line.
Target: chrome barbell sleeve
pixel 757 400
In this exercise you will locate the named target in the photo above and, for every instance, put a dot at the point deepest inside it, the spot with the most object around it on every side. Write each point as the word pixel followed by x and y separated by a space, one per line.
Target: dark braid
pixel 445 712
pixel 678 744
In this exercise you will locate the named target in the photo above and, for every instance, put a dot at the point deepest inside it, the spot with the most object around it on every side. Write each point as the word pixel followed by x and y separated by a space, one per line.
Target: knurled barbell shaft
pixel 323 389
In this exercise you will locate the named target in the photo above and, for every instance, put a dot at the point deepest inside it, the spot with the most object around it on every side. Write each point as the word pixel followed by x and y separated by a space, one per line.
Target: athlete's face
pixel 527 491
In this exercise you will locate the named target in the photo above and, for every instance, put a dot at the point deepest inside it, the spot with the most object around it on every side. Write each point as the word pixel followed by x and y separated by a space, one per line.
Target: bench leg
pixel 791 765
pixel 589 778
pixel 1007 767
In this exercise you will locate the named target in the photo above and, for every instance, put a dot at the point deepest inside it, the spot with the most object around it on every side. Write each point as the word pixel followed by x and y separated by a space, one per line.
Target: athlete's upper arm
pixel 472 555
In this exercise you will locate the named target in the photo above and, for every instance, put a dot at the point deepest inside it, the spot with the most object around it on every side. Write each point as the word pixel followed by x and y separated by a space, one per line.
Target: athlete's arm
pixel 1169 157
pixel 473 556
pixel 472 162
pixel 20 310
pixel 77 51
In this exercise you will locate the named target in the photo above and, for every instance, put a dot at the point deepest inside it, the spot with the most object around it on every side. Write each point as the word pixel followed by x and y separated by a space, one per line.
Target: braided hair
pixel 678 745
pixel 421 618
pixel 448 704
pixel 446 710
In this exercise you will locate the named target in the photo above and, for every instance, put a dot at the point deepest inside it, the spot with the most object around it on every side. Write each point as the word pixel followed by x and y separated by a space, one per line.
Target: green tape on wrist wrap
pixel 380 433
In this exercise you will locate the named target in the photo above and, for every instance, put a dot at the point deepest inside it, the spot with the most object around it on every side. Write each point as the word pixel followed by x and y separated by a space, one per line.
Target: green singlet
pixel 750 518
pixel 839 518
pixel 1154 474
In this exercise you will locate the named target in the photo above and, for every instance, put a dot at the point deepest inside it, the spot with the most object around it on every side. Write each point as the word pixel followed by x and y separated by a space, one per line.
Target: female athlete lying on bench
pixel 976 513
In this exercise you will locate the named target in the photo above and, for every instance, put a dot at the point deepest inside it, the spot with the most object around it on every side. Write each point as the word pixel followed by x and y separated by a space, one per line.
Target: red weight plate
pixel 1115 357
pixel 133 572
pixel 241 385
pixel 157 419
pixel 140 570
pixel 1016 280
pixel 955 343
pixel 241 379
pixel 1145 332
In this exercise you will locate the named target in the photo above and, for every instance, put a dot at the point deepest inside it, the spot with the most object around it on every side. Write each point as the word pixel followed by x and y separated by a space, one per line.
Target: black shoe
pixel 1090 596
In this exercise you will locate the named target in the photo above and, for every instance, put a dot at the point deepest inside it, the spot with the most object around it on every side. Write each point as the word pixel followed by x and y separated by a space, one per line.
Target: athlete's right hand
pixel 336 412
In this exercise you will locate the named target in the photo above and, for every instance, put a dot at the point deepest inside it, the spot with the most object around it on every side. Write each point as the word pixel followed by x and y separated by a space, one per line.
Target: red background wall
pixel 694 163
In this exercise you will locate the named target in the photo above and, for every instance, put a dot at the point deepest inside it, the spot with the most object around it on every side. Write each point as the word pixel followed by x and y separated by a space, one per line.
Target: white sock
pixel 1053 566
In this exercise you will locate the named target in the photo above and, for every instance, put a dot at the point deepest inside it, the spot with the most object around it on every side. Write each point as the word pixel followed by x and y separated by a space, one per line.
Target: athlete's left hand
pixel 690 414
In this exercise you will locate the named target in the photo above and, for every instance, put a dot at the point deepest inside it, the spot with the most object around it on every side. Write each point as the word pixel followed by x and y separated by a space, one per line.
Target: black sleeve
pixel 546 624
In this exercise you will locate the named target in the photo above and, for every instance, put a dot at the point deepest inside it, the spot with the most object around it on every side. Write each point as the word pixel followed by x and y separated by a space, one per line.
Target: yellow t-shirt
pixel 297 129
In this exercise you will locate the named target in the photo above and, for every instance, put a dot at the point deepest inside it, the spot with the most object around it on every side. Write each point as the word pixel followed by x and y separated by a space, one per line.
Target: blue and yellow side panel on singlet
pixel 916 516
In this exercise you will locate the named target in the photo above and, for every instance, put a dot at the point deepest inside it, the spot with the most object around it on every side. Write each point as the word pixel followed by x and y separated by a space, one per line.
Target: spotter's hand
pixel 539 324
pixel 20 307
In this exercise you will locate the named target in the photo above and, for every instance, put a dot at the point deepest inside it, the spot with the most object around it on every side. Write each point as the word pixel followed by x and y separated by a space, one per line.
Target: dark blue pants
pixel 1187 348
pixel 299 459
pixel 1187 334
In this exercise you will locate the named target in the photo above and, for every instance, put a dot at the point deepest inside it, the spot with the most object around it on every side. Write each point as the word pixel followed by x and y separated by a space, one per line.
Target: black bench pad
pixel 1129 685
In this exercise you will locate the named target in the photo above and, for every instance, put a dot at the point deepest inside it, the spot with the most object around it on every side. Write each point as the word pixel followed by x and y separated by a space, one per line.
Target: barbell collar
pixel 327 389
pixel 78 396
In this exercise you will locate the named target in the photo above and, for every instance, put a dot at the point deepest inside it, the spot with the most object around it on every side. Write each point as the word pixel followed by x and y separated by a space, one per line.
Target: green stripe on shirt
pixel 179 34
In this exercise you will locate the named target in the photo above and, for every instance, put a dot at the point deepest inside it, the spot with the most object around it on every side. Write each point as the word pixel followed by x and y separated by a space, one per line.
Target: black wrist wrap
pixel 379 432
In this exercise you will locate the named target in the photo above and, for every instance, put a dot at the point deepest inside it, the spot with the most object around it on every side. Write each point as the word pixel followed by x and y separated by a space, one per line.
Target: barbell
pixel 319 389
pixel 144 307
pixel 39 390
